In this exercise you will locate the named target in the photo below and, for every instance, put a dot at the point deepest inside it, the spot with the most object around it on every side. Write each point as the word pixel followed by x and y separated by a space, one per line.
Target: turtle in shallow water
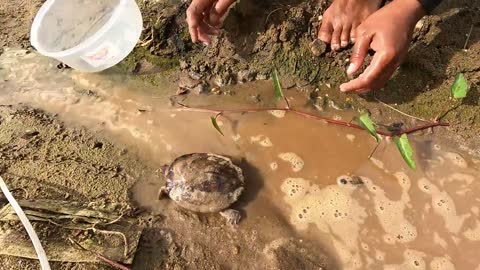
pixel 205 183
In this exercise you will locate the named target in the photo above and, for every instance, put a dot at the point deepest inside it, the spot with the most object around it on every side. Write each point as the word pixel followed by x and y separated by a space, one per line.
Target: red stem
pixel 316 117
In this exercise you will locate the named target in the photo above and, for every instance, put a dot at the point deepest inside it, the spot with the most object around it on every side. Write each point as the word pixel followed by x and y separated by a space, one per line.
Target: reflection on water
pixel 373 214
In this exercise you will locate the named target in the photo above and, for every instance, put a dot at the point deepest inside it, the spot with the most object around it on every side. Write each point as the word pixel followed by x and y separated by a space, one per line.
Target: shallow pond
pixel 369 213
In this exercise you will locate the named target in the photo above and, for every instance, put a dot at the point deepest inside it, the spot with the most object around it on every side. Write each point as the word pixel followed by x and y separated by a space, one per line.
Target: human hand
pixel 341 19
pixel 204 18
pixel 388 32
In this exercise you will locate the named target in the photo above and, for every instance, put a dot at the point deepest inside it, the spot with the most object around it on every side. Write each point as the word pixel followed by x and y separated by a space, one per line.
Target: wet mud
pixel 313 199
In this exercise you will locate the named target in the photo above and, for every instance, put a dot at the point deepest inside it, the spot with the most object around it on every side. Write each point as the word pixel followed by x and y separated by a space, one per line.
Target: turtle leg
pixel 162 192
pixel 232 216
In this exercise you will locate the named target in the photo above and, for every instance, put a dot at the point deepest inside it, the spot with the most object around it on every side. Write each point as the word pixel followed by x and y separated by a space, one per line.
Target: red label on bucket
pixel 101 55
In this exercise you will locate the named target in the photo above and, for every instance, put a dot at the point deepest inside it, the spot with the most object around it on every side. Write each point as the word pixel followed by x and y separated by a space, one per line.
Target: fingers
pixel 205 31
pixel 359 52
pixel 192 28
pixel 204 28
pixel 336 38
pixel 218 11
pixel 325 32
pixel 377 84
pixel 380 82
pixel 195 19
pixel 353 32
pixel 375 76
pixel 344 39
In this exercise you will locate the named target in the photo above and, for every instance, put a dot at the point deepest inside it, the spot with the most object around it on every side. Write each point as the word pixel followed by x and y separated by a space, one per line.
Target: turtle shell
pixel 204 182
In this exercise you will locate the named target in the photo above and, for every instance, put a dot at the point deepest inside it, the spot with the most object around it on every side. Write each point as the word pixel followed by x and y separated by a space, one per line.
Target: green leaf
pixel 215 125
pixel 459 87
pixel 368 124
pixel 405 150
pixel 276 84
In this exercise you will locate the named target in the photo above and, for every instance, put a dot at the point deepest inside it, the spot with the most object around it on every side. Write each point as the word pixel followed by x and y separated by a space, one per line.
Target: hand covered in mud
pixel 388 32
pixel 204 18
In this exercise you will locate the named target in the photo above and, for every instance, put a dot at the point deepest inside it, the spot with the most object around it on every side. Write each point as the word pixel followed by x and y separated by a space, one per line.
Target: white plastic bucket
pixel 87 35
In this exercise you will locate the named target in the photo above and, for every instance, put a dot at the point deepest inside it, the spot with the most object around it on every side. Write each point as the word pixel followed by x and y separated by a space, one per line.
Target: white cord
pixel 42 257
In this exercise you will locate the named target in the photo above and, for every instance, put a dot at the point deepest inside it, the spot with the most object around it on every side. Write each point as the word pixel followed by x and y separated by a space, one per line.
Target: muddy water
pixel 371 214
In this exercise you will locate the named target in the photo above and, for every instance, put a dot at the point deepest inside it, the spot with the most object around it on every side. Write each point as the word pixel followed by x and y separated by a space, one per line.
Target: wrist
pixel 409 11
pixel 414 9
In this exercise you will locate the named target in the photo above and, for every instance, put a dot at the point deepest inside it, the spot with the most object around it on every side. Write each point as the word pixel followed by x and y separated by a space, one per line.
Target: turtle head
pixel 164 170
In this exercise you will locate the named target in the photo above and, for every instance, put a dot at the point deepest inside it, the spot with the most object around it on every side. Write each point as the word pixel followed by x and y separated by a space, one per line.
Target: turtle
pixel 205 183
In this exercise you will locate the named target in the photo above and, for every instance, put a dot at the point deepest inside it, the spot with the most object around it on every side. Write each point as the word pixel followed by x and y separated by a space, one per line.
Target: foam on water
pixel 278 113
pixel 443 205
pixel 261 140
pixel 331 209
pixel 456 159
pixel 295 161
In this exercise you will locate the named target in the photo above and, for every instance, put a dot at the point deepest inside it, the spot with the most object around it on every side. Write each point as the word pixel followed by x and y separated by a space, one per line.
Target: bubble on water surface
pixel 441 263
pixel 274 166
pixel 443 204
pixel 456 159
pixel 277 113
pixel 332 210
pixel 412 259
pixel 236 137
pixel 261 140
pixel 295 161
pixel 473 234
pixel 350 137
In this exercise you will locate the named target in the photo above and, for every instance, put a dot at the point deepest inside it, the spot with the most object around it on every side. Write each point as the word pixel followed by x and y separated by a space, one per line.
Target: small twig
pixel 22 189
pixel 147 41
pixel 442 115
pixel 115 220
pixel 468 37
pixel 100 256
pixel 269 14
pixel 95 230
pixel 124 237
pixel 313 116
pixel 397 110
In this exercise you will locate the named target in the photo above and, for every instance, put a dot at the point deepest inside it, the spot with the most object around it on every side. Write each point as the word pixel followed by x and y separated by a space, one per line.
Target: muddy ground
pixel 45 158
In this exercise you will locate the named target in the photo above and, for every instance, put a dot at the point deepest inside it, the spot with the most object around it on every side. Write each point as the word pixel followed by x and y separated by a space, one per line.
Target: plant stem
pixel 286 101
pixel 101 257
pixel 468 37
pixel 312 116
pixel 443 114
pixel 374 150
pixel 400 112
